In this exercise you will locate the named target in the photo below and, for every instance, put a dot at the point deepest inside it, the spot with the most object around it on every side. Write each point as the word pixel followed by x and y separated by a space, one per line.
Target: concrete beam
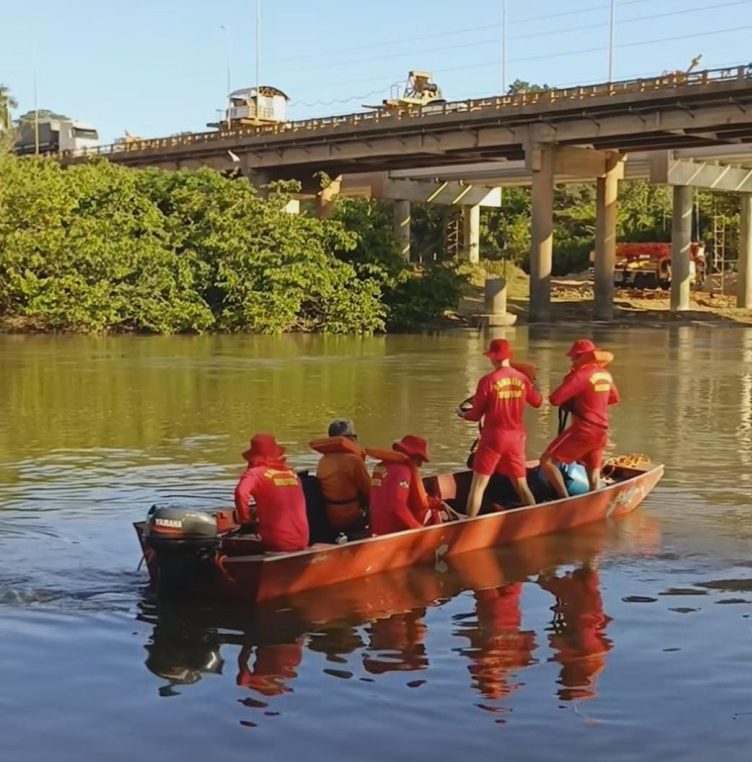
pixel 402 220
pixel 666 170
pixel 681 242
pixel 541 159
pixel 471 237
pixel 607 188
pixel 575 161
pixel 445 193
pixel 744 287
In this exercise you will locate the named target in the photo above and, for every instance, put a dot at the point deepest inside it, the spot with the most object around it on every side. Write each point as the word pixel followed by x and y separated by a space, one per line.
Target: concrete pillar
pixel 326 198
pixel 471 242
pixel 541 243
pixel 401 211
pixel 744 286
pixel 681 241
pixel 606 194
pixel 495 296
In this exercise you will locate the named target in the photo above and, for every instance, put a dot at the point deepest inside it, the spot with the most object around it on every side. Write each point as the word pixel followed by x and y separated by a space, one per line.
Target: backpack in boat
pixel 319 528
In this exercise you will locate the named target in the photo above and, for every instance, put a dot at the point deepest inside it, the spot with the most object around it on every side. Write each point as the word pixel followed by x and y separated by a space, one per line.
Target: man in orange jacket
pixel 398 498
pixel 500 401
pixel 279 501
pixel 343 476
pixel 586 392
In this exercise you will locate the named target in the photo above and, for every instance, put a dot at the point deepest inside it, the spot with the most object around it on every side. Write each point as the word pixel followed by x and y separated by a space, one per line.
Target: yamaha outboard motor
pixel 184 542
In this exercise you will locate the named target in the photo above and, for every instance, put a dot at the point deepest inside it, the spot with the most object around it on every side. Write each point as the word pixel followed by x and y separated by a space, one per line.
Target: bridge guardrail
pixel 553 95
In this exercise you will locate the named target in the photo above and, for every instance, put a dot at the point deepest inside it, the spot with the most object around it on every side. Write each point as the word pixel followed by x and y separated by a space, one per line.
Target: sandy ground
pixel 572 301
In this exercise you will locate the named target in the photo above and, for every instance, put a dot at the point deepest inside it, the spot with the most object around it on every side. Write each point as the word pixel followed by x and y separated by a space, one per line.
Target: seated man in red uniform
pixel 280 508
pixel 398 499
pixel 586 392
pixel 500 401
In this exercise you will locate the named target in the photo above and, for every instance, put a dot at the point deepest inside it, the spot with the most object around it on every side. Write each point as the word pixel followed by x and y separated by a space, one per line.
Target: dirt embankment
pixel 572 301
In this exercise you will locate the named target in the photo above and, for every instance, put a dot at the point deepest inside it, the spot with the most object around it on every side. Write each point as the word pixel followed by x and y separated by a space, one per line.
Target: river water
pixel 624 640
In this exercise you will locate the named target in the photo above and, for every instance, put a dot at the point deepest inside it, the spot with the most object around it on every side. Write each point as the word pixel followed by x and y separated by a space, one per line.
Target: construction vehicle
pixel 420 91
pixel 247 109
pixel 53 135
pixel 648 265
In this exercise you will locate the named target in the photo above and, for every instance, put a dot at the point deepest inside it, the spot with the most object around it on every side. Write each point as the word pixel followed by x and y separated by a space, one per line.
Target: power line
pixel 537 35
pixel 455 32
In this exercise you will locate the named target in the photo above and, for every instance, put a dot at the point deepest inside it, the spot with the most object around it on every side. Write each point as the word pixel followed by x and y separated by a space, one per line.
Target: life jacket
pixel 420 503
pixel 601 357
pixel 345 510
pixel 336 444
pixel 527 368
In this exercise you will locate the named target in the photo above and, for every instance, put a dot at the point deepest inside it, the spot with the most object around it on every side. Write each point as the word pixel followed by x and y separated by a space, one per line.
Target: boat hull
pixel 262 577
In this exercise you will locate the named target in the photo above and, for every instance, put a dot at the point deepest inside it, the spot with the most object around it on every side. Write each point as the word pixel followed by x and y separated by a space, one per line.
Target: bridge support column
pixel 541 161
pixel 744 287
pixel 681 241
pixel 606 194
pixel 471 238
pixel 402 219
pixel 327 197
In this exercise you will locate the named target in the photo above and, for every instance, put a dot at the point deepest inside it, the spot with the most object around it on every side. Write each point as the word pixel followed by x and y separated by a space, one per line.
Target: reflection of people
pixel 274 665
pixel 396 643
pixel 586 392
pixel 497 645
pixel 500 401
pixel 579 634
pixel 343 476
pixel 276 488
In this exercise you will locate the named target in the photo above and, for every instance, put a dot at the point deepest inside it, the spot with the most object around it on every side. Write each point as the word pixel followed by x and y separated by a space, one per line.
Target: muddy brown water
pixel 625 640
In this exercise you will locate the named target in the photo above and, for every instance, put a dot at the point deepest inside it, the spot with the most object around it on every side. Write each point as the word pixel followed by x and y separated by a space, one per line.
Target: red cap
pixel 264 447
pixel 413 447
pixel 581 347
pixel 499 350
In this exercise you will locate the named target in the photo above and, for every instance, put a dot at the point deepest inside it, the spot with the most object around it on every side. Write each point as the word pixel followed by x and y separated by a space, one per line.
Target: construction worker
pixel 343 476
pixel 398 499
pixel 586 392
pixel 500 401
pixel 280 508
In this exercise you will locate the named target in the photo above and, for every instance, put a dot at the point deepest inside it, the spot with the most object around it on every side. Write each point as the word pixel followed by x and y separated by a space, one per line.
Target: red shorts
pixel 507 459
pixel 579 446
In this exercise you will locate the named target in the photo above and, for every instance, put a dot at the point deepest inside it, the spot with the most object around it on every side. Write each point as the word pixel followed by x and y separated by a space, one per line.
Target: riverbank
pixel 572 302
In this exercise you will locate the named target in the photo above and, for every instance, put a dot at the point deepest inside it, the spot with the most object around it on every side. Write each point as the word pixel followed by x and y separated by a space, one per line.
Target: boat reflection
pixel 373 627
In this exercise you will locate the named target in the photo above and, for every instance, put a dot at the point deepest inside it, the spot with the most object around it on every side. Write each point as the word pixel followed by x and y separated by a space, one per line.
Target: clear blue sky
pixel 155 67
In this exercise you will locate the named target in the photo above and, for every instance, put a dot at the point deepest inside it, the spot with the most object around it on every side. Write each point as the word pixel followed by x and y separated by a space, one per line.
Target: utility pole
pixel 229 72
pixel 611 25
pixel 503 47
pixel 258 60
pixel 36 106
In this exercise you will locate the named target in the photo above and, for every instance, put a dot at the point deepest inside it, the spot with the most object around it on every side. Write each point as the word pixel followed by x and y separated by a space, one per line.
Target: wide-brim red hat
pixel 264 446
pixel 413 447
pixel 499 350
pixel 581 347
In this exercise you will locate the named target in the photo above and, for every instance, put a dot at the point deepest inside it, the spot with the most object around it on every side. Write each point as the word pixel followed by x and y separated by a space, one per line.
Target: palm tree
pixel 7 102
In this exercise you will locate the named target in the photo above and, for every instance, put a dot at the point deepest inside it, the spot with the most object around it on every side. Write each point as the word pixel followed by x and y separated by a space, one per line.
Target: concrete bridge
pixel 576 133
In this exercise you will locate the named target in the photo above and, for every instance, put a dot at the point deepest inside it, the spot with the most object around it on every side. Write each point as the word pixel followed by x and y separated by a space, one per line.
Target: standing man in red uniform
pixel 500 401
pixel 280 504
pixel 586 392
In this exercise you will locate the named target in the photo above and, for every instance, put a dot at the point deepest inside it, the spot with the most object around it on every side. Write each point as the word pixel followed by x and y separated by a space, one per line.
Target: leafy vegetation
pixel 96 247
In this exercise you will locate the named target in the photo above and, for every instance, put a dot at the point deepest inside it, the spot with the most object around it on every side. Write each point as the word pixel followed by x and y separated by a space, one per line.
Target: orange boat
pixel 204 554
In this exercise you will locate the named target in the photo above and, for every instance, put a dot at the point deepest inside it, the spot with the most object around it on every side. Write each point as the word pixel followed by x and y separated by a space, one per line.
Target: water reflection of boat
pixel 380 621
pixel 228 564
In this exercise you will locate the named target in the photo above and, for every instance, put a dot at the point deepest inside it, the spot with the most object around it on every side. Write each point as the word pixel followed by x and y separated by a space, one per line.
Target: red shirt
pixel 500 400
pixel 280 506
pixel 587 391
pixel 391 509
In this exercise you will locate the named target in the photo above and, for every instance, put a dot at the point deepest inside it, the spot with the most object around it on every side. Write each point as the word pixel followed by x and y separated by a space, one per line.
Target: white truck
pixel 54 135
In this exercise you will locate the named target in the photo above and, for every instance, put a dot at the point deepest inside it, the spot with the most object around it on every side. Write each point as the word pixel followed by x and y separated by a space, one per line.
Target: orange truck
pixel 648 265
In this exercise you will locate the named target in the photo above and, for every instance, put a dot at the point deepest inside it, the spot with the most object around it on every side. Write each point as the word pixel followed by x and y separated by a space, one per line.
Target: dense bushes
pixel 96 247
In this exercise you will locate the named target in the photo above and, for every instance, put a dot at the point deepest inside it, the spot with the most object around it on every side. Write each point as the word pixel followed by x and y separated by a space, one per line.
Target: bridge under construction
pixel 683 130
